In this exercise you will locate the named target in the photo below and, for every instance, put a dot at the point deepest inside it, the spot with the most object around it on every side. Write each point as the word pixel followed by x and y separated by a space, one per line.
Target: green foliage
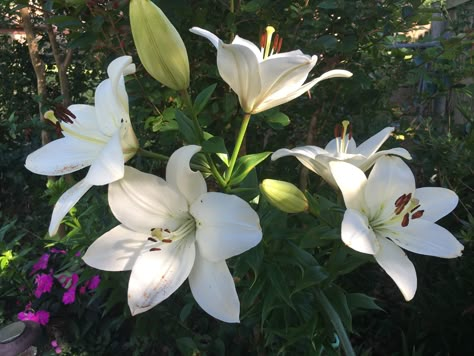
pixel 301 264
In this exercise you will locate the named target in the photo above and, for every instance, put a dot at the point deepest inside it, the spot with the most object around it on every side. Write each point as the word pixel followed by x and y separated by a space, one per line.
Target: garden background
pixel 404 75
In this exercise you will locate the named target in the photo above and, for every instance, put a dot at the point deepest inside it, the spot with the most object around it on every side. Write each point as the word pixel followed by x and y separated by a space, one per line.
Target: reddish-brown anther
pixel 406 220
pixel 418 214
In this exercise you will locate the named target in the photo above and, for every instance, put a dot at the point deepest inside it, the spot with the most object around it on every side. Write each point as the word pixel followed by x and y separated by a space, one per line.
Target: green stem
pixel 189 104
pixel 331 313
pixel 149 154
pixel 238 144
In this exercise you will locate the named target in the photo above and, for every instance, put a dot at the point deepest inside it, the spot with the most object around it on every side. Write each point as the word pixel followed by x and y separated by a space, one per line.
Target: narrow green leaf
pixel 245 164
pixel 361 301
pixel 186 127
pixel 214 144
pixel 202 98
pixel 277 121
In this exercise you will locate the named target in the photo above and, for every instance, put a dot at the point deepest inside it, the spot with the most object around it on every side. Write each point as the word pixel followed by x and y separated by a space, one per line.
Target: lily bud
pixel 159 45
pixel 284 196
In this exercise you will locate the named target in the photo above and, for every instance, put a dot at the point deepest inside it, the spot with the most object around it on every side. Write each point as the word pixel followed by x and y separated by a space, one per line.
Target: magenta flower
pixel 93 283
pixel 41 316
pixel 70 295
pixel 44 283
pixel 41 264
pixel 55 250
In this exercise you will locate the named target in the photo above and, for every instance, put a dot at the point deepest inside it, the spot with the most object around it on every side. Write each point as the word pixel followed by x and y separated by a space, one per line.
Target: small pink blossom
pixel 93 283
pixel 44 283
pixel 55 250
pixel 69 296
pixel 41 264
pixel 54 343
pixel 78 254
pixel 40 317
pixel 58 350
pixel 82 290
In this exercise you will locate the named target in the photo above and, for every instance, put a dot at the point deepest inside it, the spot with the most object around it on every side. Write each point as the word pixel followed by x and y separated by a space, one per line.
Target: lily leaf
pixel 186 128
pixel 214 144
pixel 202 98
pixel 245 164
pixel 277 121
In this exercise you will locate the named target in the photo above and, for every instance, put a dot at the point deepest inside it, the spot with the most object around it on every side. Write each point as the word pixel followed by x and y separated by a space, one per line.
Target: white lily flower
pixel 385 212
pixel 100 137
pixel 342 148
pixel 173 230
pixel 261 77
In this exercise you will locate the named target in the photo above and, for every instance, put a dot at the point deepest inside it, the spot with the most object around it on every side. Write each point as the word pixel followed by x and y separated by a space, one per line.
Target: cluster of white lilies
pixel 173 229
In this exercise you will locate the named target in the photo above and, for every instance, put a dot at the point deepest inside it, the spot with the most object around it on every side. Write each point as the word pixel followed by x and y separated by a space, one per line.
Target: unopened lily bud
pixel 159 45
pixel 284 196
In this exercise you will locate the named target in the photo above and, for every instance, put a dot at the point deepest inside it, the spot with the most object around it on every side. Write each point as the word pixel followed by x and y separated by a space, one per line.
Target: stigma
pixel 343 135
pixel 267 47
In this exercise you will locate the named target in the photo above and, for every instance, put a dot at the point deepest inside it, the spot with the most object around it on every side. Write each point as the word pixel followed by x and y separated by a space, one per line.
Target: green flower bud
pixel 284 196
pixel 159 45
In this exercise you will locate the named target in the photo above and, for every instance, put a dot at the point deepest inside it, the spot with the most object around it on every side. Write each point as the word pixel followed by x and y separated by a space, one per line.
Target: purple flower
pixel 43 317
pixel 44 283
pixel 55 250
pixel 69 296
pixel 93 283
pixel 41 264
pixel 40 317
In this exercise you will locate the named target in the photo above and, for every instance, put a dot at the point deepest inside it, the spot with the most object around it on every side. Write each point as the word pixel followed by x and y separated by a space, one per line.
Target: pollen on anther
pixel 155 249
pixel 406 220
pixel 152 239
pixel 263 40
pixel 168 241
pixel 400 199
pixel 418 214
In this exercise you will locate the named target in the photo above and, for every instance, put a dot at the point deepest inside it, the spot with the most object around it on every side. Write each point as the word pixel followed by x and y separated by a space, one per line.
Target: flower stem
pixel 238 144
pixel 333 317
pixel 149 154
pixel 189 104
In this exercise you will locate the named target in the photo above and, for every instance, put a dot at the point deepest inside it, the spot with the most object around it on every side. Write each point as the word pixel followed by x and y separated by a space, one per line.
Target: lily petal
pixel 351 181
pixel 65 203
pixel 225 226
pixel 426 238
pixel 336 73
pixel 397 265
pixel 143 201
pixel 246 43
pixel 206 34
pixel 309 156
pixel 370 146
pixel 436 202
pixel 116 70
pixel 116 250
pixel 239 68
pixel 85 125
pixel 62 156
pixel 369 162
pixel 356 234
pixel 213 288
pixel 389 179
pixel 158 274
pixel 282 75
pixel 180 176
pixel 109 110
pixel 109 164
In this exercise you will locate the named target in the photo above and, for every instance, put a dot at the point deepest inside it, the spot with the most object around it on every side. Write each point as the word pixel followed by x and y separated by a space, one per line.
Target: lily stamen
pixel 270 30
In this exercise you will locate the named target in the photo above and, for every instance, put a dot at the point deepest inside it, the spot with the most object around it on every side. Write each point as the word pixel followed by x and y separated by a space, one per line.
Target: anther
pixel 337 131
pixel 167 230
pixel 155 249
pixel 406 219
pixel 263 40
pixel 418 214
pixel 153 229
pixel 167 241
pixel 152 239
pixel 400 199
